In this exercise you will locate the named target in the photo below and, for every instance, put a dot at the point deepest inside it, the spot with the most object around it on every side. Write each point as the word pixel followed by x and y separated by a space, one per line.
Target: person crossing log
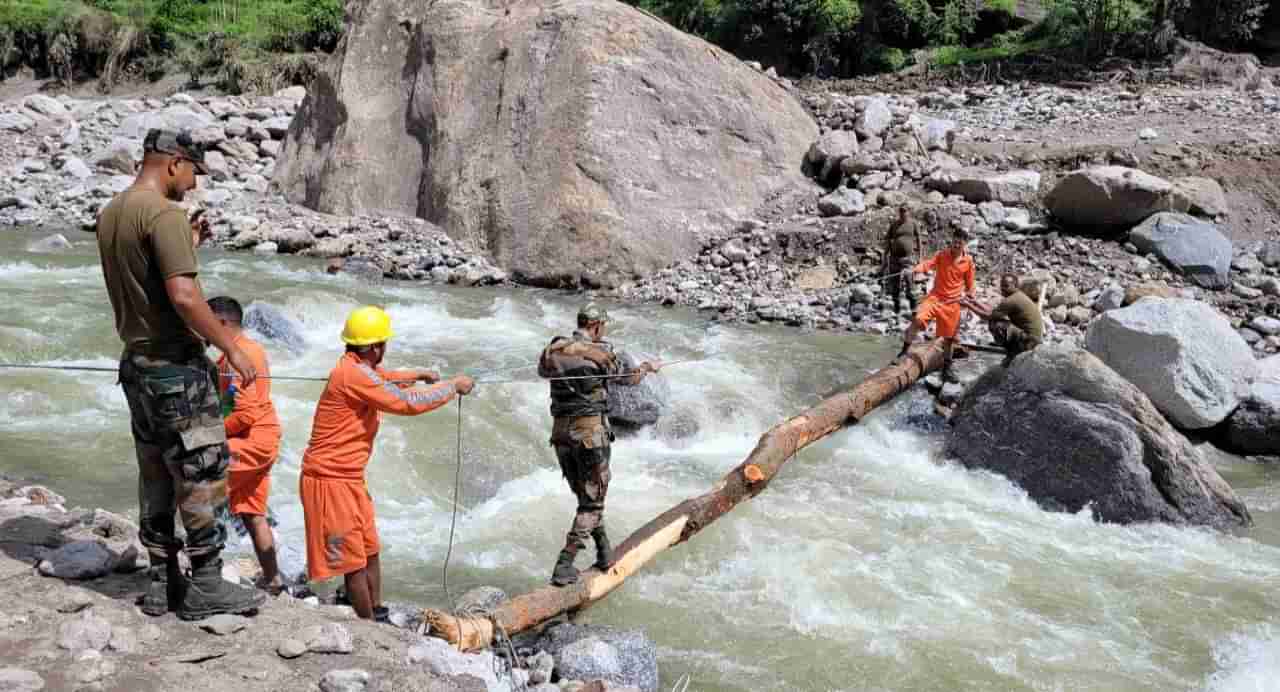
pixel 680 523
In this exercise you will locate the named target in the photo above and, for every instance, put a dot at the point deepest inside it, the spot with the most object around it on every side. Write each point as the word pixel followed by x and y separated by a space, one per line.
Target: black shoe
pixel 564 573
pixel 382 614
pixel 604 551
pixel 949 376
pixel 209 594
pixel 166 590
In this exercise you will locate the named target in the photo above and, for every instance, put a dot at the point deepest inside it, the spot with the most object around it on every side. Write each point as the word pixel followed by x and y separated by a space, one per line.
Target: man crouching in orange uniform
pixel 342 537
pixel 953 283
pixel 253 434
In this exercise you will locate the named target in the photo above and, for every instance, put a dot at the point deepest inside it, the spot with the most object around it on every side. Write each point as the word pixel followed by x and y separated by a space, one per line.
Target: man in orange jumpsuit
pixel 953 283
pixel 253 434
pixel 342 537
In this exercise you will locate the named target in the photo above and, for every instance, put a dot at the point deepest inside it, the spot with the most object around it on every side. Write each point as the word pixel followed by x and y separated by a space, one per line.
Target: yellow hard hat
pixel 367 325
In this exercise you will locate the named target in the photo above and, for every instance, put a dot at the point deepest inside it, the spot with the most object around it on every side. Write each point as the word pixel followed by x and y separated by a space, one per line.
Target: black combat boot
pixel 209 594
pixel 949 375
pixel 167 588
pixel 564 573
pixel 604 551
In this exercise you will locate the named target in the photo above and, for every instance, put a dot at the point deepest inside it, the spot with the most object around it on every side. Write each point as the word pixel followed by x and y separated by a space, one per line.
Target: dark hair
pixel 227 308
pixel 1010 275
pixel 960 232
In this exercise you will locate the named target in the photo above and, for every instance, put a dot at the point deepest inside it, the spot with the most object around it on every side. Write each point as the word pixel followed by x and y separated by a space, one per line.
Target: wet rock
pixel 291 648
pixel 1181 353
pixel 54 243
pixel 290 240
pixel 1199 196
pixel 482 599
pixel 826 154
pixel 842 201
pixel 86 632
pixel 641 404
pixel 633 654
pixel 1087 438
pixel 272 324
pixel 78 560
pixel 19 680
pixel 224 624
pixel 1254 427
pixel 330 638
pixel 266 248
pixel 677 427
pixel 1109 196
pixel 1193 247
pixel 353 680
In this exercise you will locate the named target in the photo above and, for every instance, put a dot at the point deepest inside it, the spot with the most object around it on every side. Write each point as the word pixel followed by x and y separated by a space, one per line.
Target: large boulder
pixel 826 155
pixel 598 652
pixel 1106 197
pixel 577 141
pixel 1073 433
pixel 979 185
pixel 1199 196
pixel 1254 427
pixel 641 404
pixel 273 324
pixel 1181 353
pixel 1191 246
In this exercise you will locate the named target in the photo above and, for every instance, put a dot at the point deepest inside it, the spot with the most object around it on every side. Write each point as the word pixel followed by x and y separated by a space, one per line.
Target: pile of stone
pixel 65 158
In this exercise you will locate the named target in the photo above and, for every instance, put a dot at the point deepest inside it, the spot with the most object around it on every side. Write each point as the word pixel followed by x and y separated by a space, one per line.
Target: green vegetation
pixel 238 43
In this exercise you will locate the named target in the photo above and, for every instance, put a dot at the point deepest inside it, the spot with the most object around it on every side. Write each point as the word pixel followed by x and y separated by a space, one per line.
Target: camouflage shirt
pixel 578 356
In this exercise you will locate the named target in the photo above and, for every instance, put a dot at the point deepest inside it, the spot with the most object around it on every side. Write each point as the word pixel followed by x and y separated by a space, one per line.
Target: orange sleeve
pixel 927 265
pixel 401 378
pixel 375 388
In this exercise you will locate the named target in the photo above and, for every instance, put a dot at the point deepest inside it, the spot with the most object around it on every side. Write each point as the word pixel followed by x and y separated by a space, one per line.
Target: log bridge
pixel 678 524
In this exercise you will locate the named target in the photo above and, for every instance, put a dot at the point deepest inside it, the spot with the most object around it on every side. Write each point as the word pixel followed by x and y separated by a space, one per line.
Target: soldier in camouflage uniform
pixel 581 434
pixel 147 248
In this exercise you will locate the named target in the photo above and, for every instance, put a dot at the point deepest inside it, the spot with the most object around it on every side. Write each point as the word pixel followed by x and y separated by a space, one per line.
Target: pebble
pixel 329 638
pixel 224 624
pixel 86 632
pixel 291 648
pixel 353 680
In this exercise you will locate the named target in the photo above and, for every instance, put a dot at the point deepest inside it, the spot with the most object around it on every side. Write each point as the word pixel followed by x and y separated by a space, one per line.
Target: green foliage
pixel 1006 6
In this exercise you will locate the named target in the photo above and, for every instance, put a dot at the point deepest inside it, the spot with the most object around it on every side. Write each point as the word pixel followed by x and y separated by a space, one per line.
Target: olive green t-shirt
pixel 1022 312
pixel 144 239
pixel 902 239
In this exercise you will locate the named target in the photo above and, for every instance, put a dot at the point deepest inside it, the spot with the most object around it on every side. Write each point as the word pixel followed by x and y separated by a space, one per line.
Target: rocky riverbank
pixel 988 158
pixel 76 627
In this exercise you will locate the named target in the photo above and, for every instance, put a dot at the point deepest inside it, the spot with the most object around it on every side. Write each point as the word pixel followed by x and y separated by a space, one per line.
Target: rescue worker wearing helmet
pixel 580 433
pixel 342 537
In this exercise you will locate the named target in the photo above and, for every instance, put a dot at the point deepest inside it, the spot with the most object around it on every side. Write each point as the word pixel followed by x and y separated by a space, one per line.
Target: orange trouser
pixel 947 315
pixel 249 476
pixel 341 532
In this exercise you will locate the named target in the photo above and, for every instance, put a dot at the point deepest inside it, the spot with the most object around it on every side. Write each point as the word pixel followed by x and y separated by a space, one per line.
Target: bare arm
pixel 188 300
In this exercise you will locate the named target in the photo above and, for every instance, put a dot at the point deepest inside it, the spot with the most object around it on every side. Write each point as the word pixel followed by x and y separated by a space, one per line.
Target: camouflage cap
pixel 592 313
pixel 176 144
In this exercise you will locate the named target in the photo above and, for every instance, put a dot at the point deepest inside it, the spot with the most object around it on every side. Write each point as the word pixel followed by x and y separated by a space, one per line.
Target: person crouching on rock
pixel 1016 323
pixel 580 433
pixel 953 284
pixel 342 536
pixel 253 434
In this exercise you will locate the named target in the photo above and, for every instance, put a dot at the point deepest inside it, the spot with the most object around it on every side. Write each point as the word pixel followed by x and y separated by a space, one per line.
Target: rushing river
pixel 868 564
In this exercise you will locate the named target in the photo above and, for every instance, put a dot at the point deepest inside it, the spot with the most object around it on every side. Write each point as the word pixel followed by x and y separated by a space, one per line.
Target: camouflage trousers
pixel 587 470
pixel 182 451
pixel 895 286
pixel 1013 340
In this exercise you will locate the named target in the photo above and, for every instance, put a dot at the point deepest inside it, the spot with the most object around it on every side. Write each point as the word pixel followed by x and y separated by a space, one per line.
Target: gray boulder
pixel 350 680
pixel 980 185
pixel 54 243
pixel 624 657
pixel 1269 255
pixel 20 680
pixel 1074 433
pixel 1193 247
pixel 842 201
pixel 439 658
pixel 1199 196
pixel 1182 354
pixel 1108 197
pixel 610 140
pixel 639 405
pixel 826 155
pixel 273 324
pixel 874 119
pixel 78 560
pixel 937 135
pixel 1254 427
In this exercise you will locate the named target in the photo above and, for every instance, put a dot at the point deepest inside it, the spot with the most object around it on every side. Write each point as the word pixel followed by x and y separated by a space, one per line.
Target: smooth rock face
pixel 1199 196
pixel 1072 432
pixel 1254 427
pixel 1193 247
pixel 19 680
pixel 439 658
pixel 272 323
pixel 1181 353
pixel 1108 197
pixel 78 560
pixel 576 140
pixel 634 654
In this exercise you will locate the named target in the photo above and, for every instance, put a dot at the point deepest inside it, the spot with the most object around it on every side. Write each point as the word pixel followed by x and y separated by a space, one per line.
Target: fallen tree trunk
pixel 679 523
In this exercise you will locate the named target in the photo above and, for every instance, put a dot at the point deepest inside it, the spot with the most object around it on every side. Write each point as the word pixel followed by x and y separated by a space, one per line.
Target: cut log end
pixel 752 473
pixel 464 634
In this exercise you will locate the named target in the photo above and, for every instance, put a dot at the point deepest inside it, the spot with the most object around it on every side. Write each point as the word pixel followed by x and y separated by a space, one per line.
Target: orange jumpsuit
pixel 253 433
pixel 336 506
pixel 954 279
